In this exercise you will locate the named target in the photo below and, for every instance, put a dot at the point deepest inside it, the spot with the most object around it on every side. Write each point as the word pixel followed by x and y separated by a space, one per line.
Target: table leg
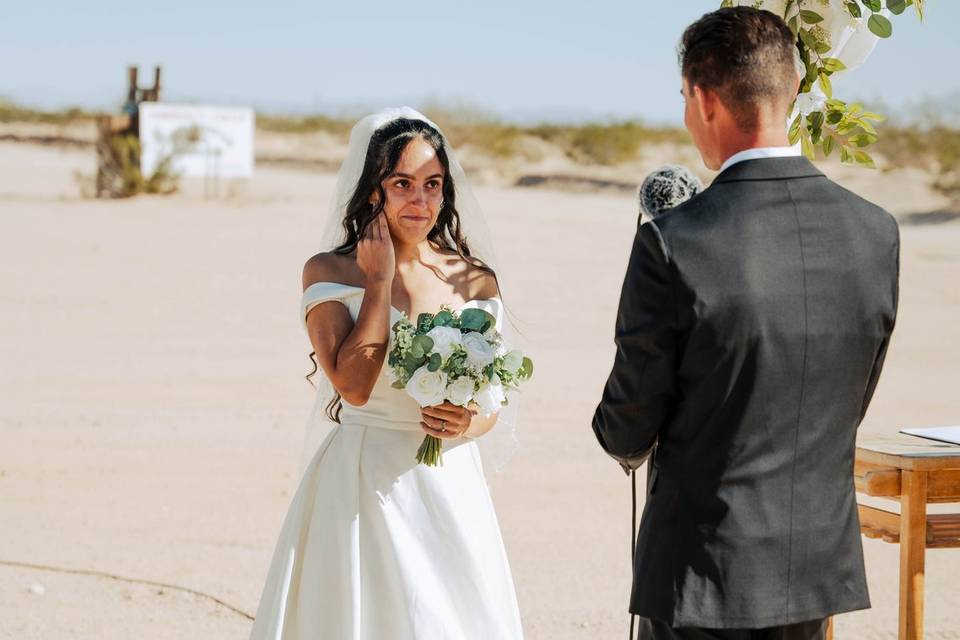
pixel 828 635
pixel 913 546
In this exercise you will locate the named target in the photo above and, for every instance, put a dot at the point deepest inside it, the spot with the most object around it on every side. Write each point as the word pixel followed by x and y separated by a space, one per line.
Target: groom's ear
pixel 706 100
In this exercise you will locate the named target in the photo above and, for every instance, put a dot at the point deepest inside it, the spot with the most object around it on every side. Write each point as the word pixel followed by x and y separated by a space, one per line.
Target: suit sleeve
pixel 891 321
pixel 640 393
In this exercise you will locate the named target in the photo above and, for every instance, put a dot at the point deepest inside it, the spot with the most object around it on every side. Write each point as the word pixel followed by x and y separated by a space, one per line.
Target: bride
pixel 375 545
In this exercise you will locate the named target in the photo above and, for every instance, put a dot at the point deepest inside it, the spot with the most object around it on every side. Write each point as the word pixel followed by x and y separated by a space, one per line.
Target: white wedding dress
pixel 378 547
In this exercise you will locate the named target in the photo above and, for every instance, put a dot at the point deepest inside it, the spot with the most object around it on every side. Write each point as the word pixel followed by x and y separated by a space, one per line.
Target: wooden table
pixel 914 471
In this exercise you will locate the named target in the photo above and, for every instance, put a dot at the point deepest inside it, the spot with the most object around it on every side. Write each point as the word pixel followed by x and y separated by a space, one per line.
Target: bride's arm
pixel 463 421
pixel 351 354
pixel 479 425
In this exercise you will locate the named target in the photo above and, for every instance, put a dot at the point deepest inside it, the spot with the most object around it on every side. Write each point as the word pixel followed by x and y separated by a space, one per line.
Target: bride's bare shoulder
pixel 331 267
pixel 485 283
pixel 480 283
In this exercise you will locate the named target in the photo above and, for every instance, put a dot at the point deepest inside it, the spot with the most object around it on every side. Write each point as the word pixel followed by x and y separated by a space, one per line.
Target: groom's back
pixel 786 295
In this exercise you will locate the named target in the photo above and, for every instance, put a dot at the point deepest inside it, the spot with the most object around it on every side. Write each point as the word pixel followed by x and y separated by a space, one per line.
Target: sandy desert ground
pixel 153 403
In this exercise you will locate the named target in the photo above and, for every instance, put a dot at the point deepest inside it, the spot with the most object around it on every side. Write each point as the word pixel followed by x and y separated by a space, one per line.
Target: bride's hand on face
pixel 375 255
pixel 447 421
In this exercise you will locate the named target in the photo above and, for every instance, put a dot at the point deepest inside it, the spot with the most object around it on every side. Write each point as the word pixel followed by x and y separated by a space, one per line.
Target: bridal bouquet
pixel 455 357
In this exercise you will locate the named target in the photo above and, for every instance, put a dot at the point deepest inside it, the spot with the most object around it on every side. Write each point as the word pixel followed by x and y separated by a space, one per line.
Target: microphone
pixel 665 188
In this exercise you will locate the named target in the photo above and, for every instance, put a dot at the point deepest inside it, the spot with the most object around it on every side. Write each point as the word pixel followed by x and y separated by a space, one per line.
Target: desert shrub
pixel 11 112
pixel 119 174
pixel 606 144
pixel 935 148
pixel 304 124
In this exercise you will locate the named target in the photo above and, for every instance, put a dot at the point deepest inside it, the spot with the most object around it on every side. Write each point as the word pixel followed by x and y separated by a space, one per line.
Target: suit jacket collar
pixel 769 169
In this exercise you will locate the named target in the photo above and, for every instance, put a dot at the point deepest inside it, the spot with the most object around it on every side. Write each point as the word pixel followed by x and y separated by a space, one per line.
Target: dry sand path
pixel 153 401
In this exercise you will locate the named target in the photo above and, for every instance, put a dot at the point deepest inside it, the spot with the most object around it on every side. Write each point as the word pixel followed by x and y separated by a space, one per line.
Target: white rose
pixel 427 387
pixel 444 340
pixel 811 101
pixel 461 391
pixel 479 351
pixel 490 398
pixel 513 361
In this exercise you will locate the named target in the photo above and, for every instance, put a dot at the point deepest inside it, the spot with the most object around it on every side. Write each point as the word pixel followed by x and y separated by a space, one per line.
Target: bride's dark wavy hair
pixel 383 153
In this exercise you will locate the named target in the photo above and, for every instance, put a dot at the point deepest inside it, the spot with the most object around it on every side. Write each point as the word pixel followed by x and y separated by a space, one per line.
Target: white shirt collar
pixel 761 152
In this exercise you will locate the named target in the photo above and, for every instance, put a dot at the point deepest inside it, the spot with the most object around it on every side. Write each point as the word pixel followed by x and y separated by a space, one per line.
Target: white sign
pixel 198 141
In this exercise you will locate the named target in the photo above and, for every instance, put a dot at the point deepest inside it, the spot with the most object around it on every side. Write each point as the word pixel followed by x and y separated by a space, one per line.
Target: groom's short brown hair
pixel 747 56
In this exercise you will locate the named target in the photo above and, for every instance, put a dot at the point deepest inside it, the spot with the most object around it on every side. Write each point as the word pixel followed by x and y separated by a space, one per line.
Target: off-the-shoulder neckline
pixel 353 286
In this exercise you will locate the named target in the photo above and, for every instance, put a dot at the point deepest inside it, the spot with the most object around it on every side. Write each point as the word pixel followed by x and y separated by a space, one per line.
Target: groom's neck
pixel 735 141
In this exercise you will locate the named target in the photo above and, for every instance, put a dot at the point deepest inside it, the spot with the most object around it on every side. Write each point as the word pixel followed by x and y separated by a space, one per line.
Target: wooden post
pixel 131 85
pixel 828 635
pixel 156 85
pixel 913 545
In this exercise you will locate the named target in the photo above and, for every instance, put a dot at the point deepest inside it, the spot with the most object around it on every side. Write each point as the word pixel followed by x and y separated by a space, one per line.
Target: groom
pixel 752 327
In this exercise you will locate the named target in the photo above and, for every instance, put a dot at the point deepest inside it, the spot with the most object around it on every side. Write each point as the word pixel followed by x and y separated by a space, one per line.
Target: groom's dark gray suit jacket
pixel 752 328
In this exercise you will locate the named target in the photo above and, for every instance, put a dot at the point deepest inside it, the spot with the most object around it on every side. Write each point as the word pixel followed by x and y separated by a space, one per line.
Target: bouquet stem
pixel 430 452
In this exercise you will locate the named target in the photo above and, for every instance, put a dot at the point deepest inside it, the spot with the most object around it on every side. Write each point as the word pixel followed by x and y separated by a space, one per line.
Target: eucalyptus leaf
pixel 443 319
pixel 846 128
pixel 424 322
pixel 794 24
pixel 807 147
pixel 434 363
pixel 425 343
pixel 832 65
pixel 526 370
pixel 828 144
pixel 862 157
pixel 475 319
pixel 845 156
pixel 873 5
pixel 794 133
pixel 866 126
pixel 880 26
pixel 825 84
pixel 411 363
pixel 897 6
pixel 807 38
pixel 822 48
pixel 810 17
pixel 833 117
pixel 398 384
pixel 854 9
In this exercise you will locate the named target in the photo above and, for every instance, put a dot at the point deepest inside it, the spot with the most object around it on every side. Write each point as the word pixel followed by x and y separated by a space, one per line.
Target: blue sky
pixel 522 60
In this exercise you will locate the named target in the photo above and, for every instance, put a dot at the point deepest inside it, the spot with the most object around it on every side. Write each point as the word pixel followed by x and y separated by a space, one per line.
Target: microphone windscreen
pixel 667 187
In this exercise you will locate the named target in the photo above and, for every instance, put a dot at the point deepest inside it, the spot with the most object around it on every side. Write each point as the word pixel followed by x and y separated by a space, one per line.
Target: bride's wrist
pixel 472 408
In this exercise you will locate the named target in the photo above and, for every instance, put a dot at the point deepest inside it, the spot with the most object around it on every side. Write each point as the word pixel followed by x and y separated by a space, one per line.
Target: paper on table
pixel 941 434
